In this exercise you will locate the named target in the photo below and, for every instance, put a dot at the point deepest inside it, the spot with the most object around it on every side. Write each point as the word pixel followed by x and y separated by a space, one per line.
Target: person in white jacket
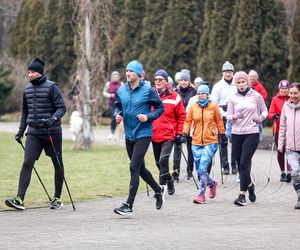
pixel 221 92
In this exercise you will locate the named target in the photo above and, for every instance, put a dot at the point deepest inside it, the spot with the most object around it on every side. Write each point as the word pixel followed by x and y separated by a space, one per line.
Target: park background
pixel 263 35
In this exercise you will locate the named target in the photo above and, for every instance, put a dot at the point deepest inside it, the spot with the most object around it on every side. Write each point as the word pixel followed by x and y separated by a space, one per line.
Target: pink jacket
pixel 289 132
pixel 251 106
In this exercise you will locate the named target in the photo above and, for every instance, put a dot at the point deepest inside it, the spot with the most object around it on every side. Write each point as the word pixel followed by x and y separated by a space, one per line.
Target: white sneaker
pixel 110 136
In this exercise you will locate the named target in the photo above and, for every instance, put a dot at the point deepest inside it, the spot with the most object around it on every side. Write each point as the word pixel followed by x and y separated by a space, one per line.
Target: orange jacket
pixel 205 121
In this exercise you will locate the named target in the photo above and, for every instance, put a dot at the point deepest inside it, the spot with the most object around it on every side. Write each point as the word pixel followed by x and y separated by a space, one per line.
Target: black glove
pixel 48 122
pixel 276 117
pixel 184 138
pixel 178 139
pixel 19 136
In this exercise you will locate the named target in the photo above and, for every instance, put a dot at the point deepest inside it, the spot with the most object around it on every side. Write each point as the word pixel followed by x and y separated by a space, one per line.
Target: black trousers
pixel 223 148
pixel 244 147
pixel 177 156
pixel 136 151
pixel 33 148
pixel 162 153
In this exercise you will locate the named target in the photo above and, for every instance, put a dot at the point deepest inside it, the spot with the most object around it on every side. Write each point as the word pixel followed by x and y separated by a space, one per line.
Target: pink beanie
pixel 241 74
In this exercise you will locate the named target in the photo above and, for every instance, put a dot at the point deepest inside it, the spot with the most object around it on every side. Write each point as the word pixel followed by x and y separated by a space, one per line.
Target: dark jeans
pixel 33 148
pixel 113 124
pixel 177 156
pixel 162 153
pixel 244 147
pixel 136 151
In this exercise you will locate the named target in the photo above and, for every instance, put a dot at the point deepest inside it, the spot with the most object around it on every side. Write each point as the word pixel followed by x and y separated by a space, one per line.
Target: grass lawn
pixel 91 175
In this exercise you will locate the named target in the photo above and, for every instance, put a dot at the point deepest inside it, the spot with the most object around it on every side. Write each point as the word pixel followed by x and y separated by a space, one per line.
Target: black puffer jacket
pixel 42 99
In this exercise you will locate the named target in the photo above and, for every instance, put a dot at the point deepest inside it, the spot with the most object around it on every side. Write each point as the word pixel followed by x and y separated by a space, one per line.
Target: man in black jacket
pixel 42 110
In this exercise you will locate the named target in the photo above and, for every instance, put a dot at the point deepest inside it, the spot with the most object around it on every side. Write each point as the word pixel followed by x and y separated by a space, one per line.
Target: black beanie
pixel 37 65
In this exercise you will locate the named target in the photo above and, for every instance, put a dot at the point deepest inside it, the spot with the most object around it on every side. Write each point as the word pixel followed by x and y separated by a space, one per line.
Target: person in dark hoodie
pixel 42 109
pixel 185 91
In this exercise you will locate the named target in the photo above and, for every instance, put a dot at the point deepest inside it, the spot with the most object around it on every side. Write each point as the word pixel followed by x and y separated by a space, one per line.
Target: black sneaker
pixel 288 177
pixel 16 203
pixel 226 171
pixel 170 186
pixel 124 210
pixel 240 201
pixel 175 175
pixel 189 175
pixel 252 195
pixel 283 177
pixel 160 197
pixel 56 203
pixel 234 170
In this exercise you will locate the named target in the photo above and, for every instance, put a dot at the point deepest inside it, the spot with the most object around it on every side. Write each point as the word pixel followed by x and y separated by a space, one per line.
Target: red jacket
pixel 170 123
pixel 276 107
pixel 257 86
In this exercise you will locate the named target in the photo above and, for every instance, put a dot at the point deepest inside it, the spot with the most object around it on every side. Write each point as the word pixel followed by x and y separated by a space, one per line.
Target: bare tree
pixel 93 29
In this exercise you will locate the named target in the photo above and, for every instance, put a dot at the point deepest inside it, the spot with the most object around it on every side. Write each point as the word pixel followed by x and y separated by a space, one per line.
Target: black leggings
pixel 162 153
pixel 33 148
pixel 136 151
pixel 244 147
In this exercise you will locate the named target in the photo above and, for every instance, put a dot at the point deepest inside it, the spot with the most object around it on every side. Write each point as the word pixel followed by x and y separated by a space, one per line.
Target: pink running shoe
pixel 200 199
pixel 213 190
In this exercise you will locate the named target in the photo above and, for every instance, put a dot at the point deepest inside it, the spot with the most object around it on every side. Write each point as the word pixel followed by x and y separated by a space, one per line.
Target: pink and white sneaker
pixel 213 190
pixel 200 199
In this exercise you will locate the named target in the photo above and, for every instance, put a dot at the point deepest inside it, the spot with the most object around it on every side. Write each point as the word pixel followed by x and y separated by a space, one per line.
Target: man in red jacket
pixel 256 85
pixel 167 128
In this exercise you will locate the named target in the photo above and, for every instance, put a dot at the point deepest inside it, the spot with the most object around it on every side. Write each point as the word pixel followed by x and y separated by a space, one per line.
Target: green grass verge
pixel 91 175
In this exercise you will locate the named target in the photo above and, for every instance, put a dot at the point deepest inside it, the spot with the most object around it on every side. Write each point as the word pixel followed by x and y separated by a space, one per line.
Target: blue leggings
pixel 202 157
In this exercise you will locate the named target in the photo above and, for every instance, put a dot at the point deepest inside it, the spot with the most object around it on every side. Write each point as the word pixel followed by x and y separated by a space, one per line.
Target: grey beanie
pixel 227 66
pixel 185 74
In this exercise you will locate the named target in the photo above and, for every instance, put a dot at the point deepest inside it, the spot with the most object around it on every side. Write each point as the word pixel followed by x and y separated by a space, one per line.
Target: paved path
pixel 269 223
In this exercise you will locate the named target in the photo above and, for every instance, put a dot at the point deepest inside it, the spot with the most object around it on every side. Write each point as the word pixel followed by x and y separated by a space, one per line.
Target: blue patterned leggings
pixel 202 157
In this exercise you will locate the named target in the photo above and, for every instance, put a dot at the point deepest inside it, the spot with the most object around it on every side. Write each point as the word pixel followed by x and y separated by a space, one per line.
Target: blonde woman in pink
pixel 246 110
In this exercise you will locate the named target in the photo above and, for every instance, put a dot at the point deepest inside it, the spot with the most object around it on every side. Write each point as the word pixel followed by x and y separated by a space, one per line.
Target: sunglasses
pixel 158 79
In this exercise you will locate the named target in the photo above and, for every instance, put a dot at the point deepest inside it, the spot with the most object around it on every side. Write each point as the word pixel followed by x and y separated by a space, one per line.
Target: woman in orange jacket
pixel 206 120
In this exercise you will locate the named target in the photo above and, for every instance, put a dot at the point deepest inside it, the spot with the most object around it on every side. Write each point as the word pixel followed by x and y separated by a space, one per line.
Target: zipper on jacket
pixel 295 129
pixel 202 127
pixel 130 93
pixel 34 106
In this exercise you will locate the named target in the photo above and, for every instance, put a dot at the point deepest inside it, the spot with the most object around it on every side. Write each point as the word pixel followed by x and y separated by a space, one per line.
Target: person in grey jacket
pixel 42 110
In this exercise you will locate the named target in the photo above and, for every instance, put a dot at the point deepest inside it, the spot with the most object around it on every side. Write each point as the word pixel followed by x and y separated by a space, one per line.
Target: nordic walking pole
pixel 59 164
pixel 220 154
pixel 147 189
pixel 272 150
pixel 187 164
pixel 19 141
